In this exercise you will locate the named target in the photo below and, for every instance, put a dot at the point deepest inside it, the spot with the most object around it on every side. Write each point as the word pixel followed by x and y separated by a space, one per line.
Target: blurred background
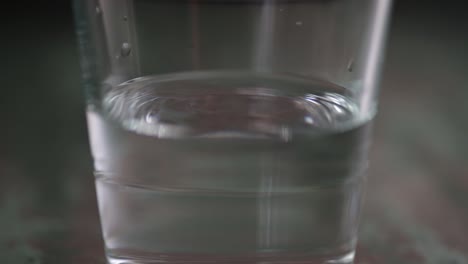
pixel 417 201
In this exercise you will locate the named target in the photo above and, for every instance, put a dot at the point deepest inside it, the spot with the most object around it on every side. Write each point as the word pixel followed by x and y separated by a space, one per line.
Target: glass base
pixel 347 258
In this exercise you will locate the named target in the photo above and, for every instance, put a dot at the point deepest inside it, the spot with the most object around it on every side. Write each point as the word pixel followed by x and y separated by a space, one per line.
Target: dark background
pixel 417 203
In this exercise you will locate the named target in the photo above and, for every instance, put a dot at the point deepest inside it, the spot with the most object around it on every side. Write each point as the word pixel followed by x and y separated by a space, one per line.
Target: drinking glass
pixel 230 131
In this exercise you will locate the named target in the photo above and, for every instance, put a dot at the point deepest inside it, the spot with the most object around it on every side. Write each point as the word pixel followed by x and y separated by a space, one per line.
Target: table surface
pixel 416 208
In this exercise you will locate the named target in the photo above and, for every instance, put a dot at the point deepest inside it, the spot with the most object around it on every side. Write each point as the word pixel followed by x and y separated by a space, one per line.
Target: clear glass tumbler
pixel 230 131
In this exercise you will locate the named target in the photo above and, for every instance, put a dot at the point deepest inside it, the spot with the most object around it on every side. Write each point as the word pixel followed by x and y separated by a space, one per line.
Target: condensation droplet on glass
pixel 298 23
pixel 98 10
pixel 125 49
pixel 350 65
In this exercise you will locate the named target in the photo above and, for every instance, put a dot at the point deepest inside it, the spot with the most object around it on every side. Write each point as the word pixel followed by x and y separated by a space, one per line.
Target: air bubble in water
pixel 125 49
